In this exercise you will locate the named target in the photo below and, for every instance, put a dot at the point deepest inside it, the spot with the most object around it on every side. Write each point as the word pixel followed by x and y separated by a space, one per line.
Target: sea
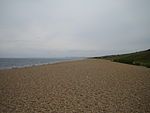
pixel 10 63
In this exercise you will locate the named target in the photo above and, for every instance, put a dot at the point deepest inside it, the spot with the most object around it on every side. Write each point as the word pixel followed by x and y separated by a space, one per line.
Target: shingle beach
pixel 85 86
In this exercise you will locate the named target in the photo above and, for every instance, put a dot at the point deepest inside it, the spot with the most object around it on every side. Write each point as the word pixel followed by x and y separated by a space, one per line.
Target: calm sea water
pixel 8 63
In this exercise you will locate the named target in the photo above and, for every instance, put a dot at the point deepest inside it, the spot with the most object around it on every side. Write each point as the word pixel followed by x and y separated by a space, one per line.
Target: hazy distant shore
pixel 83 86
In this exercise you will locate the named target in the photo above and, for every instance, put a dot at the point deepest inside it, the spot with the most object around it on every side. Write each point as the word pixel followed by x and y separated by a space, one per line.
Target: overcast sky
pixel 62 28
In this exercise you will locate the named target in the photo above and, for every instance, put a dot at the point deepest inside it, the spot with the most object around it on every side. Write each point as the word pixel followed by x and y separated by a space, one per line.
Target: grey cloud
pixel 57 28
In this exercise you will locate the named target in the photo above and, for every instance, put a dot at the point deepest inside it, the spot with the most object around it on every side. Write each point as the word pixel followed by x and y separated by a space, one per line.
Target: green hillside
pixel 141 58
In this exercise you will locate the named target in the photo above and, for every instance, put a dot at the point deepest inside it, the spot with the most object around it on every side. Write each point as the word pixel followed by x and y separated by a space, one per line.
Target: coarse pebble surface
pixel 85 86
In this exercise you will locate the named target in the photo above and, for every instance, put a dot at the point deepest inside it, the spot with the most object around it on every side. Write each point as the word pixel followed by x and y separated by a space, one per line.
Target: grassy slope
pixel 139 58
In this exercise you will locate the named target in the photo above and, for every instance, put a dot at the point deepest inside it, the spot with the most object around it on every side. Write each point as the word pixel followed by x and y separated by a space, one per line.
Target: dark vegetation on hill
pixel 141 58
